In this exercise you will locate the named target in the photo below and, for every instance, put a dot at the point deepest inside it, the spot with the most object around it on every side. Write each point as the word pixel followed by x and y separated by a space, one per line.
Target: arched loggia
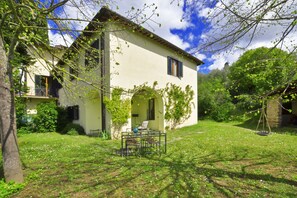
pixel 147 104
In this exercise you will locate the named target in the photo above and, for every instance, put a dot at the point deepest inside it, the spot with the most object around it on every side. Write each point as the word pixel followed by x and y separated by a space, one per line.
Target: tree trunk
pixel 10 151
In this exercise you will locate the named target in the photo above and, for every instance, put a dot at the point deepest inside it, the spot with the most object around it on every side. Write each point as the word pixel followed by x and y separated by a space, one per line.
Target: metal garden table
pixel 143 142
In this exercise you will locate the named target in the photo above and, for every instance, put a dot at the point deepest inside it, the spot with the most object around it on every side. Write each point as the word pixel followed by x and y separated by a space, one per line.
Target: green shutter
pixel 70 113
pixel 37 81
pixel 180 69
pixel 96 54
pixel 76 112
pixel 169 72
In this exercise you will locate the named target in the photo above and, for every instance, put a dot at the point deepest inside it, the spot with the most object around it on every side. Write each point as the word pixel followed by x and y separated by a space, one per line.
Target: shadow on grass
pixel 190 177
pixel 253 123
pixel 250 123
pixel 174 174
pixel 185 171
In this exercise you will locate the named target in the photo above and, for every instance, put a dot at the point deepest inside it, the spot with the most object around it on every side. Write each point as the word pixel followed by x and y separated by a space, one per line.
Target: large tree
pixel 24 22
pixel 259 72
pixel 21 22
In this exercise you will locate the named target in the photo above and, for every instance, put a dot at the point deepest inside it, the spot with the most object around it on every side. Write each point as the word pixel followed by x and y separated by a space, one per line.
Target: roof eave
pixel 105 14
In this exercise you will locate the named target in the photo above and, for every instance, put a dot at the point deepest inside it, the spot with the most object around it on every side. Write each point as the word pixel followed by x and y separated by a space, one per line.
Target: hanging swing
pixel 264 120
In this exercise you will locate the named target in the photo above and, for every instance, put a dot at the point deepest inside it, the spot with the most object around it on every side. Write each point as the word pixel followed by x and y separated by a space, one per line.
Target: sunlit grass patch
pixel 206 160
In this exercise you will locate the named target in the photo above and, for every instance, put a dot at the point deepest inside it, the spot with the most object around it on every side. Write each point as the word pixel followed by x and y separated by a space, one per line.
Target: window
pixel 42 85
pixel 92 55
pixel 73 72
pixel 174 67
pixel 73 112
pixel 151 109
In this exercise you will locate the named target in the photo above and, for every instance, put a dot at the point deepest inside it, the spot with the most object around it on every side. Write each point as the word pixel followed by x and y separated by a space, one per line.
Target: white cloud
pixel 266 34
pixel 177 41
pixel 170 15
pixel 58 39
pixel 191 37
pixel 200 56
pixel 219 59
pixel 80 11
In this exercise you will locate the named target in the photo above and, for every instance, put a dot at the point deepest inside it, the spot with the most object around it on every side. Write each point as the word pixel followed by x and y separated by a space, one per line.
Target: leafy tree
pixel 24 22
pixel 214 99
pixel 259 72
pixel 21 22
pixel 19 64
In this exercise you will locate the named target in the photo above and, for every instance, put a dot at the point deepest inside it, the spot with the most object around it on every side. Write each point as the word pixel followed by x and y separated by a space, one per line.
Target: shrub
pixel 72 132
pixel 63 118
pixel 21 112
pixel 24 130
pixel 46 117
pixel 26 126
pixel 105 135
pixel 71 126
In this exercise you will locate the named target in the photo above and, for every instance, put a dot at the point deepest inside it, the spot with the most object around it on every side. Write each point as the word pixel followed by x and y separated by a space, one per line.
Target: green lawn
pixel 206 160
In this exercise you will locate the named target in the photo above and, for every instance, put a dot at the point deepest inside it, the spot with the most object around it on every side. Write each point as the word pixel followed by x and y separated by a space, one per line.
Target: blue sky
pixel 192 36
pixel 166 22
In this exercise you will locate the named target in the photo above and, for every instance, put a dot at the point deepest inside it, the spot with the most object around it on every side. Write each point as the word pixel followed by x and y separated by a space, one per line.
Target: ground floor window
pixel 151 109
pixel 73 112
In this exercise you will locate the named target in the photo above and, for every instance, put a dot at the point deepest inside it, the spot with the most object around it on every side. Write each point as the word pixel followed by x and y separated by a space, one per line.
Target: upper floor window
pixel 94 55
pixel 73 73
pixel 42 85
pixel 174 67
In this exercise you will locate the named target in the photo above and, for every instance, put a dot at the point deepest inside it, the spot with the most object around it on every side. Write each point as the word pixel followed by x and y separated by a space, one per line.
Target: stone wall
pixel 274 112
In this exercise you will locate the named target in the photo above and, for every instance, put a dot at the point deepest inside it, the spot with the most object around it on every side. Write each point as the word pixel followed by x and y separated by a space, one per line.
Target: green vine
pixel 178 104
pixel 118 108
pixel 150 91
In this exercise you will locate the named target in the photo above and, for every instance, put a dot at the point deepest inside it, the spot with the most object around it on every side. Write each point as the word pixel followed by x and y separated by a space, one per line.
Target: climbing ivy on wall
pixel 178 104
pixel 118 108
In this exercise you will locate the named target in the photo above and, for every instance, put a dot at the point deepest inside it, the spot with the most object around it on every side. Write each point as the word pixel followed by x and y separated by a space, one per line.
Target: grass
pixel 206 160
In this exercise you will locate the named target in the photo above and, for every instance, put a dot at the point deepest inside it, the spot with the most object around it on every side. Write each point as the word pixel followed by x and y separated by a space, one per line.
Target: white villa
pixel 128 56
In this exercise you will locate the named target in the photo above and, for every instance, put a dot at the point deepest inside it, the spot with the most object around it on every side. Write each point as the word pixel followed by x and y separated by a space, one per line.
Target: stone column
pixel 274 112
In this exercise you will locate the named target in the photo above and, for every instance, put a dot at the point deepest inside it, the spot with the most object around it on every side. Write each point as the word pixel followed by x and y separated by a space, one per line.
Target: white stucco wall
pixel 89 108
pixel 39 68
pixel 33 102
pixel 84 95
pixel 43 64
pixel 135 60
